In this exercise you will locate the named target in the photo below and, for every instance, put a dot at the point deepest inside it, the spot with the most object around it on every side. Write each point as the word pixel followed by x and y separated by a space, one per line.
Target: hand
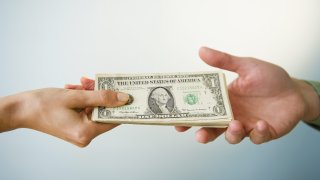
pixel 266 102
pixel 58 112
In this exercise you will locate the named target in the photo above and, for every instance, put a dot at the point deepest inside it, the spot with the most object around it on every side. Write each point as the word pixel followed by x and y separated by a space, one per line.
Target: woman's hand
pixel 63 113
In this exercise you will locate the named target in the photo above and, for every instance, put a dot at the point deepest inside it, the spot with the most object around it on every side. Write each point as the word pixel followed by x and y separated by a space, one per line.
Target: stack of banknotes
pixel 180 99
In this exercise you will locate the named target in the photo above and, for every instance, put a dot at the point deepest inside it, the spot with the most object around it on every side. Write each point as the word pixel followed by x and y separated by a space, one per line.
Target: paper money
pixel 184 99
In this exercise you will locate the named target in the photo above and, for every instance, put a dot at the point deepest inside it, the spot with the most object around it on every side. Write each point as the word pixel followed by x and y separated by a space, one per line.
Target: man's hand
pixel 59 112
pixel 267 103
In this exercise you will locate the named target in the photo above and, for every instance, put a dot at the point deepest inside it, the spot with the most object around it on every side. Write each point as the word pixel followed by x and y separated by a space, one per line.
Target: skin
pixel 266 102
pixel 62 113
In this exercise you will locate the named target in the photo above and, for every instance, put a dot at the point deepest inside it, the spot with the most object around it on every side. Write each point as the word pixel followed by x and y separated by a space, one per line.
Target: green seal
pixel 191 99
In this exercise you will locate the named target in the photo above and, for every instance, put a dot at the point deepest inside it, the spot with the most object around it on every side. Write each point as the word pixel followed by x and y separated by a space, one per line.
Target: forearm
pixel 8 112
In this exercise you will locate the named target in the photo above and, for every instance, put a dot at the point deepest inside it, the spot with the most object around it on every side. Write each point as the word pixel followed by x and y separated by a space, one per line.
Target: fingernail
pixel 130 99
pixel 123 97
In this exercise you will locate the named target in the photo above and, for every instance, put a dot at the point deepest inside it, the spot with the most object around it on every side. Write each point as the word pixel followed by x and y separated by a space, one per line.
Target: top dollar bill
pixel 184 99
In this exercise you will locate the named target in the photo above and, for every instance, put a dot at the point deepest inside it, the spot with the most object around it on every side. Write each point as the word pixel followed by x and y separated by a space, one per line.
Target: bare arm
pixel 58 112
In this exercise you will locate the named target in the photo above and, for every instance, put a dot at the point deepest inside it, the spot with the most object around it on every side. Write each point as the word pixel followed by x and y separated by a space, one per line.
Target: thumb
pixel 220 59
pixel 105 98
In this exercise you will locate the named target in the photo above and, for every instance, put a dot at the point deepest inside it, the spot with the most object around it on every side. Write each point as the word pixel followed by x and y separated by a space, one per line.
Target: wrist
pixel 9 106
pixel 312 101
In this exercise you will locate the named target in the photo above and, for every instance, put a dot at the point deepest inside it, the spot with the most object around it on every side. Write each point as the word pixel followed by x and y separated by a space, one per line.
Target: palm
pixel 264 92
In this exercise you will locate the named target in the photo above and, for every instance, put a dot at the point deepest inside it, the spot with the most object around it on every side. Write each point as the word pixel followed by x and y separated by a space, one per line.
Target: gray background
pixel 49 43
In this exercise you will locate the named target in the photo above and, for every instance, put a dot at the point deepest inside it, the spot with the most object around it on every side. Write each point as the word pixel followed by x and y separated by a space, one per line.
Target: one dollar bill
pixel 183 99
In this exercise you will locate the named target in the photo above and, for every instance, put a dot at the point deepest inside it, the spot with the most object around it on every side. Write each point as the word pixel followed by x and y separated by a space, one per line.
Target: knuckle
pixel 108 97
pixel 81 138
pixel 83 142
pixel 224 59
pixel 221 60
